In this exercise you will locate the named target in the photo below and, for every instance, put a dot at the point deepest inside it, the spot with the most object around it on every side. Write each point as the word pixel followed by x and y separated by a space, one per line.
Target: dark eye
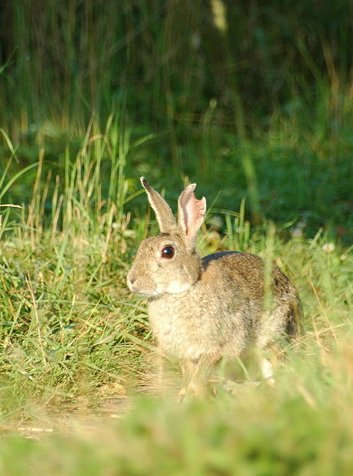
pixel 168 252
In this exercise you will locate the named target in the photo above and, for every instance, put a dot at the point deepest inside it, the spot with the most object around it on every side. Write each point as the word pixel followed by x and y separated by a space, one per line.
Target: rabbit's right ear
pixel 191 212
pixel 164 214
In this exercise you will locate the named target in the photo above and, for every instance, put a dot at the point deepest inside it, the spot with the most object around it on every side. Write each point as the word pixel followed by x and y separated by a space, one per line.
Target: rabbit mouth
pixel 174 287
pixel 143 292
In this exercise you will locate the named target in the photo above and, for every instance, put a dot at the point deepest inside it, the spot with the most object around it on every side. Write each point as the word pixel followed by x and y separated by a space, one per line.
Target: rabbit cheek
pixel 166 283
pixel 173 279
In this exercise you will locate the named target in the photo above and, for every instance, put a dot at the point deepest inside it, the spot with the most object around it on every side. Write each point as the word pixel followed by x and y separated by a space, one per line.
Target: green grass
pixel 77 348
pixel 257 435
pixel 256 108
pixel 256 104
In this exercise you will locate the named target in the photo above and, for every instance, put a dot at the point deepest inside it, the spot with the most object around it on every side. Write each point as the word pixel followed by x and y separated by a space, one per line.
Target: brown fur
pixel 203 310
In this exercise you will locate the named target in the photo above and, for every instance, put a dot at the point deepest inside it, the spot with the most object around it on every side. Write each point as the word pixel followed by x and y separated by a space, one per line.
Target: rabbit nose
pixel 131 281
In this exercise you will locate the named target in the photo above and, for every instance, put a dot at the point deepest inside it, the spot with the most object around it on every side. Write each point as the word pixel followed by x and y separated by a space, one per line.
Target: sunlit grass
pixel 258 112
pixel 77 349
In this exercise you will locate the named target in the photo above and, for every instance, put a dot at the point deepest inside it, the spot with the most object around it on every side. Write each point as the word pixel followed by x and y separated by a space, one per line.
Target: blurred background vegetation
pixel 251 98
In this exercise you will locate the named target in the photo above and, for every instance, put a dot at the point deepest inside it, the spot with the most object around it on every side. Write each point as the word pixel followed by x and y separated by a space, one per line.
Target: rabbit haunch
pixel 202 310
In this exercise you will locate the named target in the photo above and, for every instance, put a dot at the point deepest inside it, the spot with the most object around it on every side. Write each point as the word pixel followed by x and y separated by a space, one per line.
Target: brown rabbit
pixel 203 310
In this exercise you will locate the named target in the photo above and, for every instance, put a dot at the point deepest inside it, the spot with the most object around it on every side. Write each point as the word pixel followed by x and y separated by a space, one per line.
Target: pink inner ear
pixel 192 211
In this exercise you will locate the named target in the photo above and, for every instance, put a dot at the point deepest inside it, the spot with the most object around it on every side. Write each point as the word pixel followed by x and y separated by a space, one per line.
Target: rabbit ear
pixel 164 214
pixel 190 212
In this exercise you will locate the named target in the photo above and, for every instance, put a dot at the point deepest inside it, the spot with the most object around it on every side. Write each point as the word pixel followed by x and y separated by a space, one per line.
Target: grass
pixel 77 347
pixel 200 439
pixel 253 104
pixel 250 100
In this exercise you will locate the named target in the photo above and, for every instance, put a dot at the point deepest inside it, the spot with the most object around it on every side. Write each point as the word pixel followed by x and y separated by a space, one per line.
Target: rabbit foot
pixel 267 371
pixel 190 392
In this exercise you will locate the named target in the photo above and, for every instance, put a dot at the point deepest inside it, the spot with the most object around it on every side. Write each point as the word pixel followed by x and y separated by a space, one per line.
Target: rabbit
pixel 203 310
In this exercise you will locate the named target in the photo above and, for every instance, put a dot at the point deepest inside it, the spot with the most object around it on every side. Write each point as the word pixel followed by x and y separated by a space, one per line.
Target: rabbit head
pixel 168 263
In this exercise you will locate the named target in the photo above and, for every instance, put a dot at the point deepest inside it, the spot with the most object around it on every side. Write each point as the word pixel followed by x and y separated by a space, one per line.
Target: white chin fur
pixel 174 287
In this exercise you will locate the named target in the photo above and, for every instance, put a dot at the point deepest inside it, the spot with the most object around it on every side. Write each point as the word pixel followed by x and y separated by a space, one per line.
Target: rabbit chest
pixel 188 326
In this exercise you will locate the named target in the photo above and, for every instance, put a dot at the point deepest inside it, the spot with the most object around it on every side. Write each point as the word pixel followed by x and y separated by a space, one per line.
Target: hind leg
pixel 278 327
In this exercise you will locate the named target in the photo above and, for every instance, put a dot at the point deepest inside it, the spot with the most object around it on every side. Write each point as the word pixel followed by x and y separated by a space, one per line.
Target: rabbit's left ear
pixel 191 212
pixel 164 214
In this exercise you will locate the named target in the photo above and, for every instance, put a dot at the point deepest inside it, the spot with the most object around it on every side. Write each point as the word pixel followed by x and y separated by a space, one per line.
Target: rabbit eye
pixel 168 252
